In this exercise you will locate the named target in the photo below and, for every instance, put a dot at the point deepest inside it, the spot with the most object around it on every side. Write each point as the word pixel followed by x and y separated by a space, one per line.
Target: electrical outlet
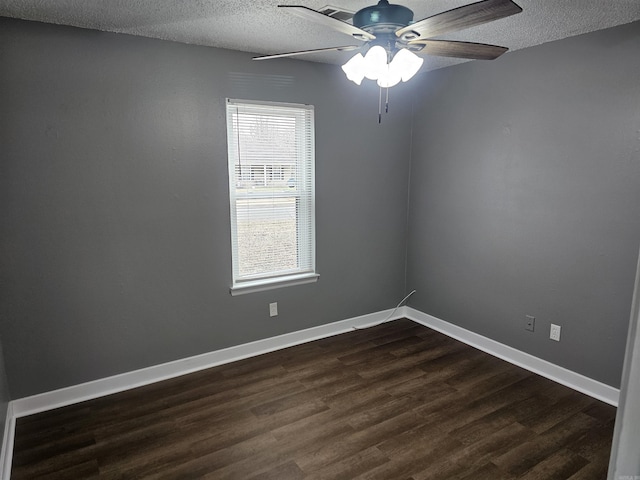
pixel 554 333
pixel 273 309
pixel 529 322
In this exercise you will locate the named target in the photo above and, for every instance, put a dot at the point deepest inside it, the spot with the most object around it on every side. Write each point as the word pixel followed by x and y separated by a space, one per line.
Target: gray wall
pixel 115 250
pixel 115 243
pixel 525 197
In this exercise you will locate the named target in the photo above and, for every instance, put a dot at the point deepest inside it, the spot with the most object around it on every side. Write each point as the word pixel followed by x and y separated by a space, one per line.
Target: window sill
pixel 270 284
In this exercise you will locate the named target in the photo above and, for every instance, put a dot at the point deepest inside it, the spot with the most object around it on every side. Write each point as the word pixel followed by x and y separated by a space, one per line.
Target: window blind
pixel 271 184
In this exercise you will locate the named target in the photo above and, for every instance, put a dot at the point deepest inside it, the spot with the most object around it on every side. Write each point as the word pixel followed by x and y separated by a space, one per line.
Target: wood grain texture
pixel 396 401
pixel 461 18
pixel 448 48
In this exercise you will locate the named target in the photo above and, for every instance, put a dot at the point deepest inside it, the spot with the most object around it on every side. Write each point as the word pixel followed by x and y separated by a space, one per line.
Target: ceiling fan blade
pixel 327 21
pixel 447 48
pixel 345 48
pixel 459 19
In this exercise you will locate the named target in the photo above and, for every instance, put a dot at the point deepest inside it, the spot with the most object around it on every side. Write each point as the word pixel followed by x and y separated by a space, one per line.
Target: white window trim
pixel 271 284
pixel 240 286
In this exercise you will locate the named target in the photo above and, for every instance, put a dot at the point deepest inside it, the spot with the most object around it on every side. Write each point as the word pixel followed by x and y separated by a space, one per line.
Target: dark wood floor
pixel 397 401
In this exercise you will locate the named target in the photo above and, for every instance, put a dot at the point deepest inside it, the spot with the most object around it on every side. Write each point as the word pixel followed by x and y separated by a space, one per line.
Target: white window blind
pixel 271 184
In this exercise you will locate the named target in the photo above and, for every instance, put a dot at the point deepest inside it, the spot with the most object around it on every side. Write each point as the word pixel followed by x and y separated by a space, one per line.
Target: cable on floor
pixel 389 316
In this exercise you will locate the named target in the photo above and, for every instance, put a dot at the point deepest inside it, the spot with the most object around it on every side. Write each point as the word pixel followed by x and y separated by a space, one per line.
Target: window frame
pixel 304 195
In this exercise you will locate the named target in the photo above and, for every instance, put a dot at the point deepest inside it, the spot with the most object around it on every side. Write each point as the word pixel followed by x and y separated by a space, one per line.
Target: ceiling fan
pixel 392 39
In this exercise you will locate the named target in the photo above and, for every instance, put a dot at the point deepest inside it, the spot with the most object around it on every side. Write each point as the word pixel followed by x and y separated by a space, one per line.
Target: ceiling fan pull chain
pixel 386 106
pixel 380 106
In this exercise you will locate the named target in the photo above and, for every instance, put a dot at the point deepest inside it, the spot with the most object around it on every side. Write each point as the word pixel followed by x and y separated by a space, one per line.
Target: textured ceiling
pixel 258 26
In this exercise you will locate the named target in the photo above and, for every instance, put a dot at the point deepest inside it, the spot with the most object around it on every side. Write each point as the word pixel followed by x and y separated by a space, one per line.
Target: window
pixel 271 184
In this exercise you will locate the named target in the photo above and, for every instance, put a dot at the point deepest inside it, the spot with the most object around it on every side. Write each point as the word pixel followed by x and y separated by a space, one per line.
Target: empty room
pixel 358 240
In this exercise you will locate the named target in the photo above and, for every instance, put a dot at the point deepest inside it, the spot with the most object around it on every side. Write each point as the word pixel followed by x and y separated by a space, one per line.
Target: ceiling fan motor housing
pixel 382 18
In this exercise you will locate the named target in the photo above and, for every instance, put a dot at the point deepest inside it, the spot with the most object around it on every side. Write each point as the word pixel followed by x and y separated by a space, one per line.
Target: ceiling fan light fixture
pixel 374 66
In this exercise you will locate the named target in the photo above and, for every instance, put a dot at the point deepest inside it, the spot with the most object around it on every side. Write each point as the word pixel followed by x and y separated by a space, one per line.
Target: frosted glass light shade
pixel 354 68
pixel 389 78
pixel 406 64
pixel 375 62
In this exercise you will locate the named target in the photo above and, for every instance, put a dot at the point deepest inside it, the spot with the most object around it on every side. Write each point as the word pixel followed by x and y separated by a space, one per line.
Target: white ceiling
pixel 258 26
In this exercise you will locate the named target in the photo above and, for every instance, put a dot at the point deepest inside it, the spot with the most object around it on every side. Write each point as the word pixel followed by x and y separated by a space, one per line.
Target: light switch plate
pixel 529 323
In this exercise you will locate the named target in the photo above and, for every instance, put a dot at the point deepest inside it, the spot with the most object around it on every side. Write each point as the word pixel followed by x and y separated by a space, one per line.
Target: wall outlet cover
pixel 554 333
pixel 273 309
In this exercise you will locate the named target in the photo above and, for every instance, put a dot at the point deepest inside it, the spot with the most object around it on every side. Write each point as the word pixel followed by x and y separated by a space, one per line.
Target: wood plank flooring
pixel 396 401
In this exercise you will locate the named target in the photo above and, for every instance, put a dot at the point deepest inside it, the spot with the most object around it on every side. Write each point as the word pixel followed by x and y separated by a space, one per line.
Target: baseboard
pixel 118 383
pixel 6 456
pixel 549 370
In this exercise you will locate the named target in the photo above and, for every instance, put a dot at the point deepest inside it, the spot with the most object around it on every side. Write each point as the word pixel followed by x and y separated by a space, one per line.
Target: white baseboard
pixel 125 381
pixel 137 378
pixel 105 386
pixel 561 375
